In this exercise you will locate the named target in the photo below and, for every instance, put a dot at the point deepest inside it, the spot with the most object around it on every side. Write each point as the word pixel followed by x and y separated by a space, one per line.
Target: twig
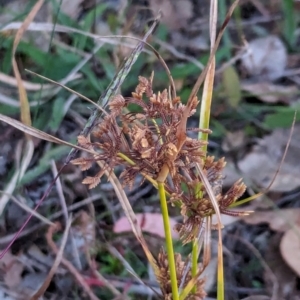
pixel 60 192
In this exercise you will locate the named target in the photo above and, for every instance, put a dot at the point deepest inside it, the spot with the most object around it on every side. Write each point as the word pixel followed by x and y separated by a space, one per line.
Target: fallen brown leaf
pixel 270 93
pixel 149 222
pixel 281 220
pixel 290 248
pixel 261 55
pixel 260 165
pixel 13 269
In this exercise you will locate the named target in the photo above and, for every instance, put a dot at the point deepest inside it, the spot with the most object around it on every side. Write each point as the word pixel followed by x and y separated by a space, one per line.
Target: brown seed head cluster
pixel 146 141
pixel 165 281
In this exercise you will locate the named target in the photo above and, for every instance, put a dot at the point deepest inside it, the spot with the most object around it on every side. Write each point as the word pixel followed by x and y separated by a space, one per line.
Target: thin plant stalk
pixel 204 123
pixel 195 260
pixel 169 241
pixel 220 276
pixel 195 248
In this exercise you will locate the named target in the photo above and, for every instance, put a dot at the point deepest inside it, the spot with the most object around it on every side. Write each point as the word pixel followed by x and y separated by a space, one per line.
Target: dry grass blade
pixel 18 174
pixel 211 194
pixel 60 191
pixel 25 108
pixel 213 52
pixel 56 263
pixel 131 217
pixel 114 86
pixel 27 85
pixel 70 90
pixel 28 209
pixel 38 133
pixel 40 26
pixel 109 285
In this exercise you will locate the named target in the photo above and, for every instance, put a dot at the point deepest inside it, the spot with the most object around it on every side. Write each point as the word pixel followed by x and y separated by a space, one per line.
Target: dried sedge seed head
pixel 149 139
pixel 116 104
pixel 144 86
pixel 164 277
pixel 84 163
pixel 84 142
pixel 234 193
pixel 188 230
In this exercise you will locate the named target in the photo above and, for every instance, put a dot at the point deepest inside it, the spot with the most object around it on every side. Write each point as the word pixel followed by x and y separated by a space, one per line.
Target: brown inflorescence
pixel 151 139
pixel 182 277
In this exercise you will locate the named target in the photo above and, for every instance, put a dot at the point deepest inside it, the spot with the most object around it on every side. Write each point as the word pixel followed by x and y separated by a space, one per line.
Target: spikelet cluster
pixel 145 141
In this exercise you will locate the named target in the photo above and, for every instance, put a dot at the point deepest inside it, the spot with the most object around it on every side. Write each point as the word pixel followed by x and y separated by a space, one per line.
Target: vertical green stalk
pixel 206 103
pixel 195 250
pixel 203 123
pixel 220 279
pixel 194 261
pixel 169 241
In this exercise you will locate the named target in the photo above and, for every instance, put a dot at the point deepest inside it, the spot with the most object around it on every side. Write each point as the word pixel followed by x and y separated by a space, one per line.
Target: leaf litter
pixel 260 164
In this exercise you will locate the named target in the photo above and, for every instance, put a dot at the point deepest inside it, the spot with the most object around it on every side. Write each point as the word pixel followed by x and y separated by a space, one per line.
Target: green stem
pixel 194 262
pixel 195 250
pixel 220 276
pixel 169 241
pixel 204 117
pixel 204 123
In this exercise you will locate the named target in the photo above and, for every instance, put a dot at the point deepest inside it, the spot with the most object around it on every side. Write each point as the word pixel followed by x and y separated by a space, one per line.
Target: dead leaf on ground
pixel 271 93
pixel 278 220
pixel 260 165
pixel 290 248
pixel 12 268
pixel 149 222
pixel 266 58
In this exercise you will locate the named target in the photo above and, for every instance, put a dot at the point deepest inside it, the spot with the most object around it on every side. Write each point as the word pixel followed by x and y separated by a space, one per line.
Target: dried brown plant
pixel 148 140
pixel 164 277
